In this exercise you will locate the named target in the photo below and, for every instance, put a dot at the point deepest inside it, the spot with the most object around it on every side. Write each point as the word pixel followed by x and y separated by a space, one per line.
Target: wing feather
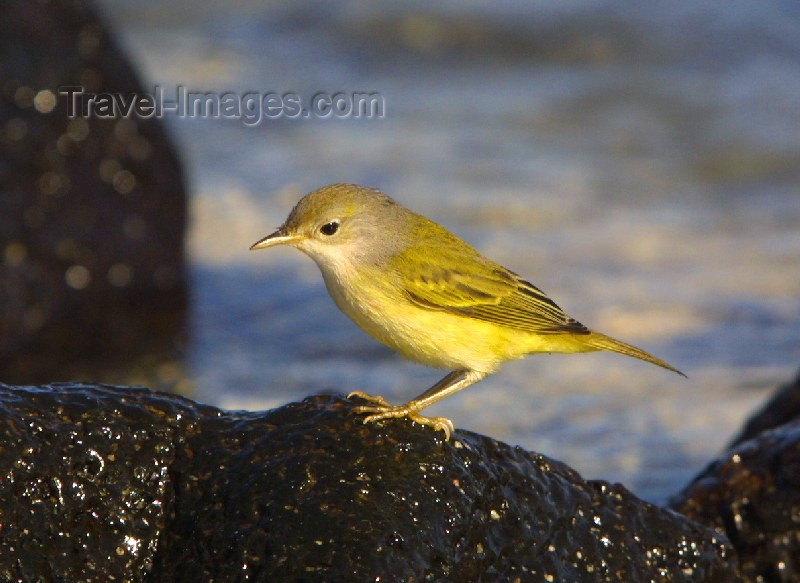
pixel 475 287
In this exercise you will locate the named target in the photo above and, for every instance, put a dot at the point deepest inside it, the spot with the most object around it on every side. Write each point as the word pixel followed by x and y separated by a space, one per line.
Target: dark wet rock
pixel 780 409
pixel 101 482
pixel 92 211
pixel 752 495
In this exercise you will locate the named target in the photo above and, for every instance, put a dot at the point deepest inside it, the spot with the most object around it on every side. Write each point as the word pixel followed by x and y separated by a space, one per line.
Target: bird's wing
pixel 472 286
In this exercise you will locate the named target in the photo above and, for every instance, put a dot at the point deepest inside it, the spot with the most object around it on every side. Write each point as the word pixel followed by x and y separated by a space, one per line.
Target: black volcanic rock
pixel 782 408
pixel 92 211
pixel 101 482
pixel 752 495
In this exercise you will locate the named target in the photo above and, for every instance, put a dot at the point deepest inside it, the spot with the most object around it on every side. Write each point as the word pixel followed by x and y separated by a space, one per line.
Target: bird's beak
pixel 279 237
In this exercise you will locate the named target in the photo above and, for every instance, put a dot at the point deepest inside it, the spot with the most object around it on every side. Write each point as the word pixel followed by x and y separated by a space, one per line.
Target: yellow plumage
pixel 419 289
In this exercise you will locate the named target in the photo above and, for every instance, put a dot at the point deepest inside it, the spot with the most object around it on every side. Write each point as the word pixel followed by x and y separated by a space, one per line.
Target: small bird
pixel 422 291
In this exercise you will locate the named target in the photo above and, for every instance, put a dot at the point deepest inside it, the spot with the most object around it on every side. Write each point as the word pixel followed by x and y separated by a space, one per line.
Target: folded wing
pixel 472 286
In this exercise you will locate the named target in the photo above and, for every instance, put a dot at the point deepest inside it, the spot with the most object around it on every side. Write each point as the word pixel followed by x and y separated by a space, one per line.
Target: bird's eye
pixel 329 229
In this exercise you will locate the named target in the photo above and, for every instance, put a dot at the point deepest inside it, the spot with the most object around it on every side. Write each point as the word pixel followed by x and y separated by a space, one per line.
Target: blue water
pixel 638 162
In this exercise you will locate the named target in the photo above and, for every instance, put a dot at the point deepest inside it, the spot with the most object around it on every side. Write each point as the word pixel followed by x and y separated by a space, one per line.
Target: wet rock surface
pixel 92 210
pixel 86 489
pixel 104 482
pixel 752 495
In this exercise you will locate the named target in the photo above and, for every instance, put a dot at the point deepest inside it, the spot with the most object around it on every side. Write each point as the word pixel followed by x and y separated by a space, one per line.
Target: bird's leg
pixel 452 383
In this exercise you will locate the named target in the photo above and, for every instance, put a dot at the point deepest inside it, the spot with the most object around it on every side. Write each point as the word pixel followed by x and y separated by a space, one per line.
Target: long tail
pixel 603 342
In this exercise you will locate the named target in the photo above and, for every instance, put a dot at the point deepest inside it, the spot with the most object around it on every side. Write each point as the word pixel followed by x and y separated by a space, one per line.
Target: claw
pixel 375 399
pixel 438 423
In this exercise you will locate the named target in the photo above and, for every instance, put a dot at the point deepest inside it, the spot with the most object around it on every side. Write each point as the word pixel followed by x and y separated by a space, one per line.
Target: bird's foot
pixel 384 410
pixel 375 399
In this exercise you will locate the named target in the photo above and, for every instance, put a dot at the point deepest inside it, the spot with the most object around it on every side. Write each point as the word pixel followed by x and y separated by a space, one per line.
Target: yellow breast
pixel 432 337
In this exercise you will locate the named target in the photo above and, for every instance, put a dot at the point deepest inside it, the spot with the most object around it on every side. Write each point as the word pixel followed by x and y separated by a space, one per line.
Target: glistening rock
pixel 752 495
pixel 101 482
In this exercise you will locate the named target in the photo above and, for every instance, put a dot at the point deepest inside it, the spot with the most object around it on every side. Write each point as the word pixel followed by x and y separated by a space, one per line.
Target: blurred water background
pixel 639 162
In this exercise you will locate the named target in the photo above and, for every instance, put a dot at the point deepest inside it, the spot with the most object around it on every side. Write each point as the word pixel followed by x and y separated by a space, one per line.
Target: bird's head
pixel 340 223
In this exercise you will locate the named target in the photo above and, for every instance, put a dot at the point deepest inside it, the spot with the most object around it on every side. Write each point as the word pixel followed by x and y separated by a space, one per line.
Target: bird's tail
pixel 603 342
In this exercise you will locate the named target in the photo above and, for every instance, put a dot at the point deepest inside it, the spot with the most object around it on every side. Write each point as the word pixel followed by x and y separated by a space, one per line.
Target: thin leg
pixel 452 383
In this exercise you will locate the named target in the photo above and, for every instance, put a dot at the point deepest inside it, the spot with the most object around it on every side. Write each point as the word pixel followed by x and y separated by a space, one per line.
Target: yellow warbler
pixel 417 288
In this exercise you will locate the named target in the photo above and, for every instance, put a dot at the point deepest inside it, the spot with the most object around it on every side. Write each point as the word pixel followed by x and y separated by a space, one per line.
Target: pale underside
pixel 453 319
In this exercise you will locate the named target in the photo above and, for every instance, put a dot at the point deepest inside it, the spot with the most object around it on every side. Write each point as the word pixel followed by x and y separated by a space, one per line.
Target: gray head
pixel 343 223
